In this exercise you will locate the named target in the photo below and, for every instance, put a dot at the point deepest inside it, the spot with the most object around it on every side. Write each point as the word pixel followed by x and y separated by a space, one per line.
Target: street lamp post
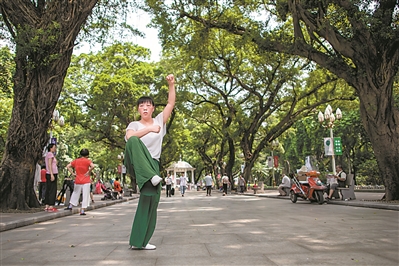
pixel 329 118
pixel 121 157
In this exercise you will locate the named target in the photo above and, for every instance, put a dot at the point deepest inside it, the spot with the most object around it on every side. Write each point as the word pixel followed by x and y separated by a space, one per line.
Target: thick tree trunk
pixel 230 162
pixel 36 93
pixel 249 164
pixel 45 36
pixel 17 191
pixel 380 119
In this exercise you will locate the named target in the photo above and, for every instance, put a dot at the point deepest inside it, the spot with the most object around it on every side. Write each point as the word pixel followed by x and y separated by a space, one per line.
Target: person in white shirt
pixel 168 182
pixel 142 154
pixel 338 180
pixel 225 182
pixel 208 183
pixel 285 183
pixel 241 183
pixel 183 184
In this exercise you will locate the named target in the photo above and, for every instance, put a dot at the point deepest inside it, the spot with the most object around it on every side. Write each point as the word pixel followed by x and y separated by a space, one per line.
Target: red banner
pixel 275 161
pixel 119 169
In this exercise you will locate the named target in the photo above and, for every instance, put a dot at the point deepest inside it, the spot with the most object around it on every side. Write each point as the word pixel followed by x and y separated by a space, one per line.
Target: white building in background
pixel 181 168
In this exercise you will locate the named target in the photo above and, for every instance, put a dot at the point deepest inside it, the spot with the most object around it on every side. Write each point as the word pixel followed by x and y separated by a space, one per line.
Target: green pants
pixel 140 164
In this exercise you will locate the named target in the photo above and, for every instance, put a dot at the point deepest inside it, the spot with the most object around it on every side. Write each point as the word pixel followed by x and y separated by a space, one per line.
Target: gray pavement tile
pixel 182 250
pixel 220 260
pixel 332 258
pixel 186 238
pixel 253 248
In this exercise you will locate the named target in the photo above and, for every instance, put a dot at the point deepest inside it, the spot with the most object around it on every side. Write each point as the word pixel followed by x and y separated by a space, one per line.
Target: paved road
pixel 217 230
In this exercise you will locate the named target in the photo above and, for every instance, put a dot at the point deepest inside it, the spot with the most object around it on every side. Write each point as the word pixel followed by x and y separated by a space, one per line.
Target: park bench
pixel 348 192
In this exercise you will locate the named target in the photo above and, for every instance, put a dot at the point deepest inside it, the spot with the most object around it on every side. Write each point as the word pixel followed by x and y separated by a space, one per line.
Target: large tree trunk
pixel 380 119
pixel 44 36
pixel 36 92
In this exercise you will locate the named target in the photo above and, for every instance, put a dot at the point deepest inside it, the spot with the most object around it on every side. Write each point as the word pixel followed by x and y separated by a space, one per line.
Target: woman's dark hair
pixel 84 152
pixel 50 146
pixel 145 99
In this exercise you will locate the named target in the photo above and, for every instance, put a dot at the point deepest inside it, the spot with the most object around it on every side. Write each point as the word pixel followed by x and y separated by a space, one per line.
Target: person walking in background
pixel 183 185
pixel 208 184
pixel 241 184
pixel 123 174
pixel 225 182
pixel 83 167
pixel 168 182
pixel 51 178
pixel 142 153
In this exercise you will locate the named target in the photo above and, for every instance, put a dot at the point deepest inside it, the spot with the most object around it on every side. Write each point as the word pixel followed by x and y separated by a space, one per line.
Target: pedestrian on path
pixel 51 178
pixel 208 183
pixel 83 167
pixel 168 182
pixel 142 153
pixel 225 182
pixel 183 185
pixel 241 183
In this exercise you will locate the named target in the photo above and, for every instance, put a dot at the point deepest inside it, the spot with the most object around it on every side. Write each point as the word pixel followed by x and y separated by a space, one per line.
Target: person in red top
pixel 118 187
pixel 42 184
pixel 83 167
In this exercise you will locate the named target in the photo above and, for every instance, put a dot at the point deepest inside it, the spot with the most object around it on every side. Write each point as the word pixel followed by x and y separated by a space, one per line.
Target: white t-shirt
pixel 153 141
pixel 183 181
pixel 286 181
pixel 208 180
pixel 168 181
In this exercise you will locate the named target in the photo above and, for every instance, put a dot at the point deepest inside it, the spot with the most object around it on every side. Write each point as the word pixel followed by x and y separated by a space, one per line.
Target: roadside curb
pixel 366 204
pixel 351 203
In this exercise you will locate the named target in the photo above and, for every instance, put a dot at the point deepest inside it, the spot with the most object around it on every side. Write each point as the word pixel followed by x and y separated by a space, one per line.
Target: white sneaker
pixel 155 180
pixel 149 247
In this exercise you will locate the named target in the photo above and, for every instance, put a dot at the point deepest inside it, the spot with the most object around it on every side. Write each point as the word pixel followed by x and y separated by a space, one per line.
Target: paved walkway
pixel 10 221
pixel 198 230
